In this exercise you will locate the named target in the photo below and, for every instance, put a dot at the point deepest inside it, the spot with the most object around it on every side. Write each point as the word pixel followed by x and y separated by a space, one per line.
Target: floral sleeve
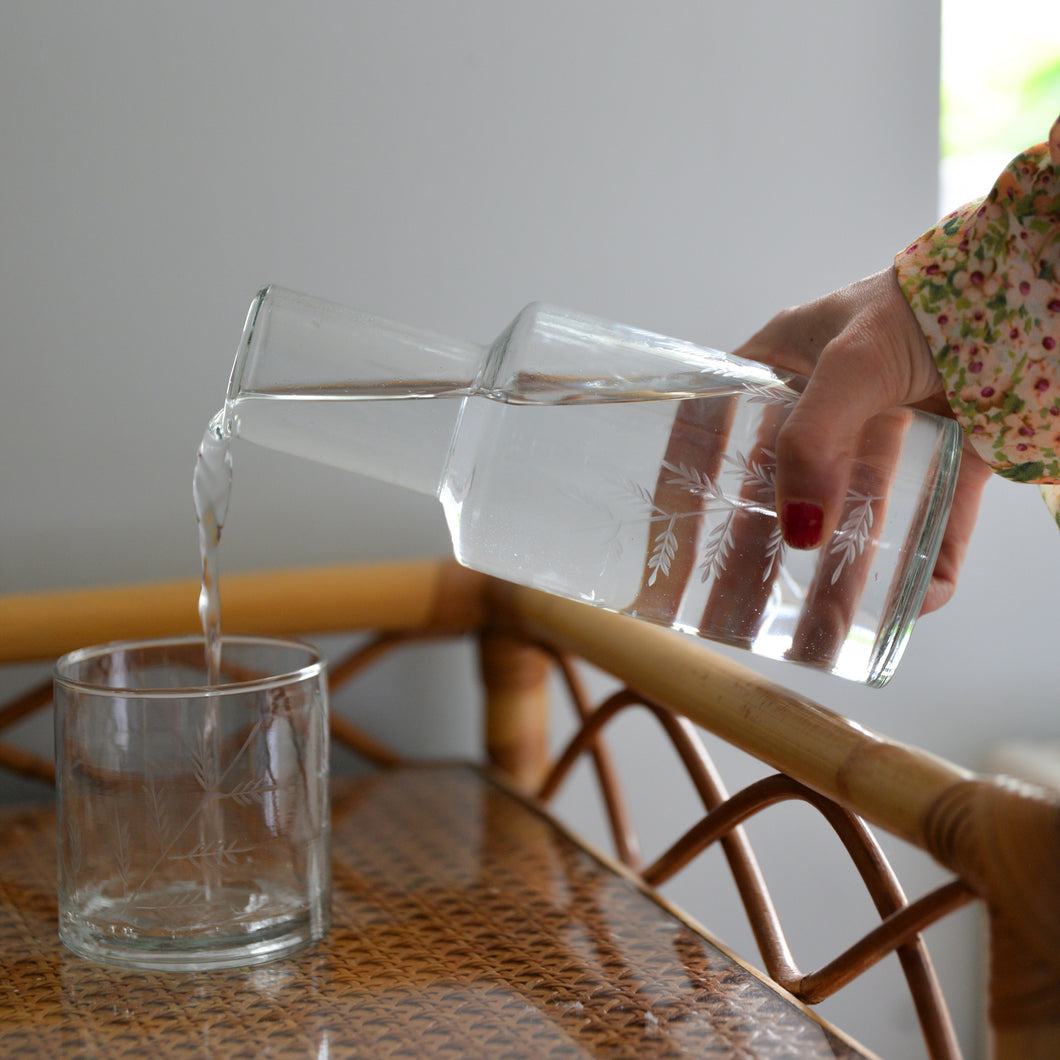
pixel 984 284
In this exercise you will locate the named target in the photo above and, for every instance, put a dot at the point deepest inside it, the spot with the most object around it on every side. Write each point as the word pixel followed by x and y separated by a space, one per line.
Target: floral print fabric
pixel 984 284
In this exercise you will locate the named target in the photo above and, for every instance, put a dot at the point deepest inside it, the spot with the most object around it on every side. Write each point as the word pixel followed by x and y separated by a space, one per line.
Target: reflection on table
pixel 466 924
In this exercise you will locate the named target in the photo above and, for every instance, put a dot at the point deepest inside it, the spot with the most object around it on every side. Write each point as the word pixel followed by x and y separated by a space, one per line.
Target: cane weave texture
pixel 466 924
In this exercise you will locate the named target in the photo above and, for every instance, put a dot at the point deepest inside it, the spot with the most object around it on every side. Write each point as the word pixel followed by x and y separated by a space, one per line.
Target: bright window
pixel 1000 88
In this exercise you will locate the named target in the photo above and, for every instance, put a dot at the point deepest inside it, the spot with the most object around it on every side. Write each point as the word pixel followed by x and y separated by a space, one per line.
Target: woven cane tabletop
pixel 466 925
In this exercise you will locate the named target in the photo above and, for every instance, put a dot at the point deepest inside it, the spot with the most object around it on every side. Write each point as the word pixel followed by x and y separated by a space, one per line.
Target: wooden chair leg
pixel 515 676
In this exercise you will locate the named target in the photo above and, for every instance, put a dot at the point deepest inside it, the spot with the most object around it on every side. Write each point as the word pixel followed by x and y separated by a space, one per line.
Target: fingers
pixel 849 556
pixel 971 482
pixel 744 550
pixel 821 436
pixel 693 453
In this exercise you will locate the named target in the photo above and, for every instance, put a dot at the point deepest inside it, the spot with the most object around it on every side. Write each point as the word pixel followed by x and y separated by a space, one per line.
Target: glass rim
pixel 314 667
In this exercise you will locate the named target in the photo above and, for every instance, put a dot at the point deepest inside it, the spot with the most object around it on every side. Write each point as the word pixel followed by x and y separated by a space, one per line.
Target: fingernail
pixel 801 524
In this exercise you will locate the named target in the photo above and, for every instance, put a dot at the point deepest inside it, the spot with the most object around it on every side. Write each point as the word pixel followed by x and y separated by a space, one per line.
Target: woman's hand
pixel 862 352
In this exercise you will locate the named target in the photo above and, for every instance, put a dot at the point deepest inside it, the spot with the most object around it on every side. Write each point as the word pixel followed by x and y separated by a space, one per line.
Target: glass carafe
pixel 613 466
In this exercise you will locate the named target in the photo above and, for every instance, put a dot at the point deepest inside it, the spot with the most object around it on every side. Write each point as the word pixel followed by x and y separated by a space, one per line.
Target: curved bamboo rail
pixel 385 597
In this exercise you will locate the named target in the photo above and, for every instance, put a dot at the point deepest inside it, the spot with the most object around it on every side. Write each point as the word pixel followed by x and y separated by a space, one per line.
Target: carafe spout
pixel 302 361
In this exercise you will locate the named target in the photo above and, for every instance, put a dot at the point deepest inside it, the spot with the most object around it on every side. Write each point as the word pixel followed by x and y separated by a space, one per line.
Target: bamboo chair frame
pixel 999 838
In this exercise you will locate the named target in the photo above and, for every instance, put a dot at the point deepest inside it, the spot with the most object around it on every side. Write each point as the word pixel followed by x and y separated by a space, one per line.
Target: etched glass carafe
pixel 610 465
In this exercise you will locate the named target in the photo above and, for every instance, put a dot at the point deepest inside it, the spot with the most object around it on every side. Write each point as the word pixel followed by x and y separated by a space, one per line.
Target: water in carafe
pixel 609 465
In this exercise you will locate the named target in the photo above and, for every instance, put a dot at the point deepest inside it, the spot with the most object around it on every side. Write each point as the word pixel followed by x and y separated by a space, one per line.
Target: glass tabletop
pixel 466 923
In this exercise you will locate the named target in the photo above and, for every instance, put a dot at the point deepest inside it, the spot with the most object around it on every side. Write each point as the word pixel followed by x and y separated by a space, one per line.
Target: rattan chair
pixel 999 839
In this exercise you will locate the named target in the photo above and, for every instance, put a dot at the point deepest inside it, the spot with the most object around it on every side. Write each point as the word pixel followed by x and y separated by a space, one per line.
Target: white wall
pixel 685 166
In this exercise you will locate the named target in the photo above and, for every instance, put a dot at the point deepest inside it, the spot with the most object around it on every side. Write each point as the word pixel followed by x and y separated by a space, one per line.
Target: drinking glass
pixel 193 818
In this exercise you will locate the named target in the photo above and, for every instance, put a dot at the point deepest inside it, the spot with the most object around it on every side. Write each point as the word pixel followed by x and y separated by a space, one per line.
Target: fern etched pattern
pixel 663 551
pixel 719 544
pixel 851 538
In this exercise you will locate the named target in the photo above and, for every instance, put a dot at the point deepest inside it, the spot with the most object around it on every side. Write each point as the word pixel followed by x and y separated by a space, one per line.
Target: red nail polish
pixel 801 524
